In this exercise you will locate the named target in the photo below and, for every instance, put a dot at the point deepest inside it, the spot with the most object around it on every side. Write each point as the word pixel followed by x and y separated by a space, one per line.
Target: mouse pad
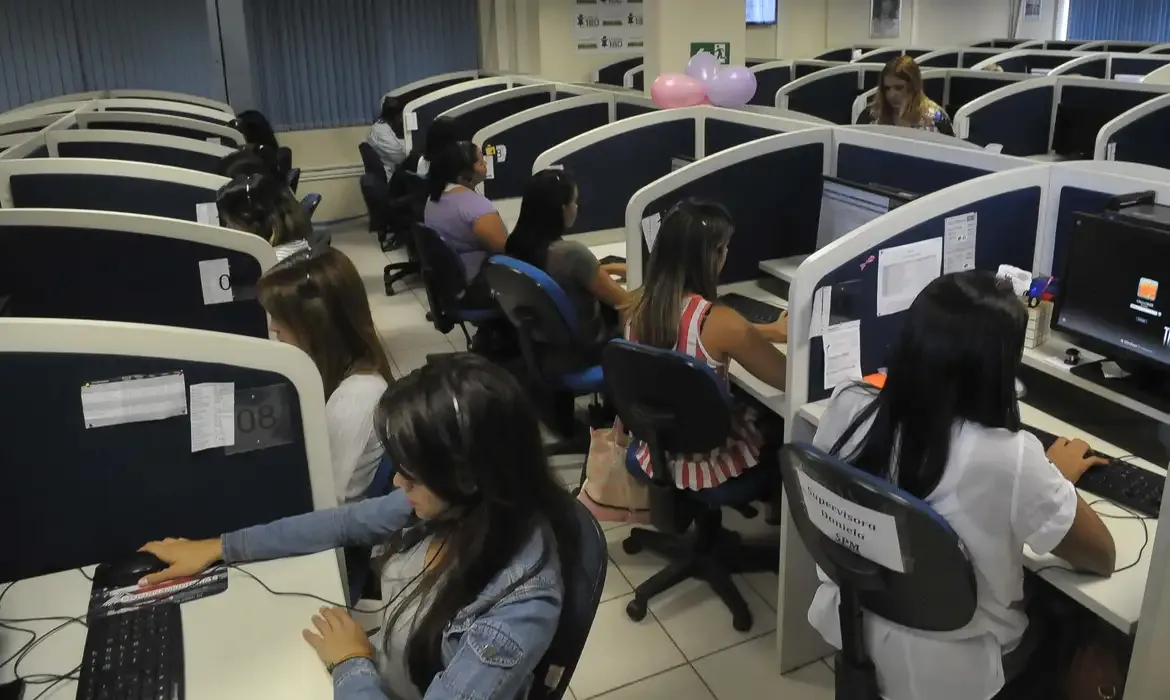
pixel 105 601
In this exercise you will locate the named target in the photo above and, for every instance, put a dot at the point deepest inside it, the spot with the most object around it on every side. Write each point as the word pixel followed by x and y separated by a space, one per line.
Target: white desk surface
pixel 607 249
pixel 783 268
pixel 602 236
pixel 509 210
pixel 243 643
pixel 1117 600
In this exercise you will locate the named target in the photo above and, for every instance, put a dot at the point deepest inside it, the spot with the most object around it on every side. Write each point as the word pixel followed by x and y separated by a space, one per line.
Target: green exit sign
pixel 719 49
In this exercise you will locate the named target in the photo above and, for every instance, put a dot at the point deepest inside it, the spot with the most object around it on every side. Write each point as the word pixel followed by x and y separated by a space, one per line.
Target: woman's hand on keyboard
pixel 182 557
pixel 1071 459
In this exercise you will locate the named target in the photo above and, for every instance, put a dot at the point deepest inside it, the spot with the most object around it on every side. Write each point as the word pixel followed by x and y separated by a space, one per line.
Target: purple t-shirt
pixel 453 216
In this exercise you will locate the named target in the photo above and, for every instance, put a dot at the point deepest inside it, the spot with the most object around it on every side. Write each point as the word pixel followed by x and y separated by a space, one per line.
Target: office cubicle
pixel 1133 68
pixel 477 113
pixel 805 67
pixel 847 53
pixel 1038 62
pixel 614 73
pixel 889 53
pixel 966 85
pixel 406 94
pixel 1117 46
pixel 830 92
pixel 1157 49
pixel 421 111
pixel 132 146
pixel 157 123
pixel 520 138
pixel 114 479
pixel 631 104
pixel 1138 135
pixel 770 77
pixel 19 130
pixel 163 95
pixel 934 85
pixel 606 174
pixel 1002 43
pixel 635 79
pixel 107 185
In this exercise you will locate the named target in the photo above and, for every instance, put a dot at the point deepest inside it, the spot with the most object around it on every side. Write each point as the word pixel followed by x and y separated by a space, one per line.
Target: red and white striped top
pixel 742 449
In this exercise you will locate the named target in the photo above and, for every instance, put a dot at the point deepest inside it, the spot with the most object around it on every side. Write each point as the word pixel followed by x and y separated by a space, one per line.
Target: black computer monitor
pixel 1111 297
pixel 846 206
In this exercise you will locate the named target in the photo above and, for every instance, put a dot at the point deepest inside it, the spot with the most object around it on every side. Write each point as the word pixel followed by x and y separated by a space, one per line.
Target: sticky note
pixel 215 277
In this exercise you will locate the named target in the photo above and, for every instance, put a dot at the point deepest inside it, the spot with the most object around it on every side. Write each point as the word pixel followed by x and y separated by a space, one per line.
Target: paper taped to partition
pixel 410 121
pixel 650 226
pixel 904 271
pixel 133 399
pixel 213 415
pixel 215 278
pixel 866 532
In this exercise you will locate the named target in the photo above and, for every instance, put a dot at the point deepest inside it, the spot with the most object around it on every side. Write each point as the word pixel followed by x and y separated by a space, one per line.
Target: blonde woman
pixel 900 100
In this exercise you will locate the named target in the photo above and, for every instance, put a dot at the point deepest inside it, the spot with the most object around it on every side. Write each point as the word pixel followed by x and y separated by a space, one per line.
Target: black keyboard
pixel 612 260
pixel 134 655
pixel 1126 484
pixel 753 310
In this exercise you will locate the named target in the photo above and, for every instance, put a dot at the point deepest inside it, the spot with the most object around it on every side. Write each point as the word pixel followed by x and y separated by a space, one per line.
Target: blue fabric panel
pixel 471 122
pixel 780 224
pixel 412 95
pixel 935 89
pixel 964 89
pixel 1135 66
pixel 614 73
pixel 1016 64
pixel 768 82
pixel 1072 200
pixel 830 98
pixel 39 152
pixel 1119 20
pixel 141 153
pixel 946 60
pixel 1144 140
pixel 721 135
pixel 908 173
pixel 627 109
pixel 607 175
pixel 836 55
pixel 1103 101
pixel 1022 122
pixel 1007 235
pixel 431 110
pixel 1093 69
pixel 129 195
pixel 803 69
pixel 869 80
pixel 639 81
pixel 179 131
pixel 971 57
pixel 525 142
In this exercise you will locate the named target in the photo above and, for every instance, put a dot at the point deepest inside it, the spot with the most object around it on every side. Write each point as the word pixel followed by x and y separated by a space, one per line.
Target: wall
pixel 761 42
pixel 341 197
pixel 558 55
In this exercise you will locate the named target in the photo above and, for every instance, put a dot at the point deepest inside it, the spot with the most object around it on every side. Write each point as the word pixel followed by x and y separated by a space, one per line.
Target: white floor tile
pixel 569 694
pixel 700 624
pixel 681 683
pixel 751 670
pixel 410 359
pixel 621 651
pixel 766 583
pixel 635 567
pixel 755 528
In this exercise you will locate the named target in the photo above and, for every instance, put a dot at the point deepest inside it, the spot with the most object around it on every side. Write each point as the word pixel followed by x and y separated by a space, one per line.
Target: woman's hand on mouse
pixel 182 557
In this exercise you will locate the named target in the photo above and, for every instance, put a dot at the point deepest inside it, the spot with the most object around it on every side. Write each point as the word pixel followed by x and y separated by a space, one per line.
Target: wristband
pixel 351 657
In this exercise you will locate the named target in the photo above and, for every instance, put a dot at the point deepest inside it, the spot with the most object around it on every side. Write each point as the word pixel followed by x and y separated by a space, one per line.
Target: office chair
pixel 675 403
pixel 357 559
pixel 310 203
pixel 284 164
pixel 559 359
pixel 294 179
pixel 445 281
pixel 937 593
pixel 371 160
pixel 587 571
pixel 406 202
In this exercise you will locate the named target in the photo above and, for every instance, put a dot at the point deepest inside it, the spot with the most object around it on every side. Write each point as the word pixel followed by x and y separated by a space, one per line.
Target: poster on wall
pixel 885 19
pixel 1032 10
pixel 608 25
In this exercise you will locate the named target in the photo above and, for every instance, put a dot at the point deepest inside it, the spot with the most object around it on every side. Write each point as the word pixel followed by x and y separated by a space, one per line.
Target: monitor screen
pixel 846 206
pixel 1040 71
pixel 1111 294
pixel 761 11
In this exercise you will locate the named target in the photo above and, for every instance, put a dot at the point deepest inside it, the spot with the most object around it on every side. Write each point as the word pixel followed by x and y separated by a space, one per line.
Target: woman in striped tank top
pixel 674 310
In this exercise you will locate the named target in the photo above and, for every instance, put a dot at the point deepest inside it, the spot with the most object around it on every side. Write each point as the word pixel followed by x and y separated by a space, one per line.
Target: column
pixel 672 26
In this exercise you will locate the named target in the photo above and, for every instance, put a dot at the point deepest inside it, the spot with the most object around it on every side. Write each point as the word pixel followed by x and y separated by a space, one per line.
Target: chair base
pixel 854 681
pixel 709 553
pixel 394 272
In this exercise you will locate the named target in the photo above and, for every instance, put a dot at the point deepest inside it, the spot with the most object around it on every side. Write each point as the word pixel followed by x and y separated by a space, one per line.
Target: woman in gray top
pixel 547 212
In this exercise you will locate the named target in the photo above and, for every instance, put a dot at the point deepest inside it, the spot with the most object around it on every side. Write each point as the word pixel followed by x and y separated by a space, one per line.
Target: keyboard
pixel 612 260
pixel 134 655
pixel 1126 484
pixel 753 310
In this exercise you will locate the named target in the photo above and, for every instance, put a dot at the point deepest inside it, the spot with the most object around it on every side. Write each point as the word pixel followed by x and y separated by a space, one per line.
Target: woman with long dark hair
pixel 474 536
pixel 675 310
pixel 547 212
pixel 946 429
pixel 263 205
pixel 442 132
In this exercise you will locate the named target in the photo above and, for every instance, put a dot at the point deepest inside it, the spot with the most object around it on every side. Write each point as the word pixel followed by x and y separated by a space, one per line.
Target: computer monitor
pixel 677 162
pixel 846 206
pixel 1128 77
pixel 1111 297
pixel 1039 71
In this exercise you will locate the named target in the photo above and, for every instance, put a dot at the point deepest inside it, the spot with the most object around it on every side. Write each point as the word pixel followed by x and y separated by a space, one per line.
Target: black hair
pixel 542 216
pixel 262 204
pixel 441 133
pixel 391 115
pixel 255 128
pixel 456 162
pixel 464 428
pixel 685 260
pixel 250 160
pixel 955 360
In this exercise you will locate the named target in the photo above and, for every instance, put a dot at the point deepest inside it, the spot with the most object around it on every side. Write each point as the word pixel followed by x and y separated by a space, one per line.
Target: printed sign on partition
pixel 868 533
pixel 609 25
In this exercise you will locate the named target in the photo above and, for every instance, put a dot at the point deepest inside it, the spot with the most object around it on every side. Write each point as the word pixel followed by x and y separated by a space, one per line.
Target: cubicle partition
pixel 158 95
pixel 116 478
pixel 632 104
pixel 966 85
pixel 1002 43
pixel 805 67
pixel 635 79
pixel 830 92
pixel 1018 116
pixel 1157 49
pixel 519 139
pixel 477 113
pixel 614 73
pixel 770 77
pixel 167 124
pixel 1117 46
pixel 889 53
pixel 1138 135
pixel 410 92
pixel 1134 68
pixel 1039 62
pixel 158 149
pixel 420 112
pixel 106 185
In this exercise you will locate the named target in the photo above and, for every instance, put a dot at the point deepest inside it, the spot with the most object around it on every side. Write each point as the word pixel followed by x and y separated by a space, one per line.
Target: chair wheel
pixel 636 610
pixel 741 623
pixel 631 545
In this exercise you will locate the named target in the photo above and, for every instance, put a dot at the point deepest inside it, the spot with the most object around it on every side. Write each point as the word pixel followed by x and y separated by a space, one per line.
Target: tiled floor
pixel 685 649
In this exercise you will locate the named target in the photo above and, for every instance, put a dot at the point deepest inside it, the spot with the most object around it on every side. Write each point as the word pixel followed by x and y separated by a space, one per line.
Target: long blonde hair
pixel 917 106
pixel 320 297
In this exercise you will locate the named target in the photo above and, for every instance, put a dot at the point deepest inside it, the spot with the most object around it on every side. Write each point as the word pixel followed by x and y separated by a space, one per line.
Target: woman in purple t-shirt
pixel 466 220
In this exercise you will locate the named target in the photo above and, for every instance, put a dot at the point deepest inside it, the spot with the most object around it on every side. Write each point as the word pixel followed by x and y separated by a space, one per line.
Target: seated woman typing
pixel 473 539
pixel 318 303
pixel 946 428
pixel 262 204
pixel 466 220
pixel 900 100
pixel 674 310
pixel 547 212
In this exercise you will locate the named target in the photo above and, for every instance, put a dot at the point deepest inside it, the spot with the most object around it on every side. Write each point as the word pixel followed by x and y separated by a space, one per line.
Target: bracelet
pixel 351 657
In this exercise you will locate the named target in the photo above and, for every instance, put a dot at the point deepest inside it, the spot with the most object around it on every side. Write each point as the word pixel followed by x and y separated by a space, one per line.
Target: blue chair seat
pixel 586 381
pixel 477 316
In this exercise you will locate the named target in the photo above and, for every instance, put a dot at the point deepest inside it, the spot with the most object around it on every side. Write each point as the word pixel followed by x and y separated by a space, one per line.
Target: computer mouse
pixel 127 571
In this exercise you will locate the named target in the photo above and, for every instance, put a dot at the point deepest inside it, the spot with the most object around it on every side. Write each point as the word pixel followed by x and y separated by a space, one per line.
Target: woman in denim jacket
pixel 468 546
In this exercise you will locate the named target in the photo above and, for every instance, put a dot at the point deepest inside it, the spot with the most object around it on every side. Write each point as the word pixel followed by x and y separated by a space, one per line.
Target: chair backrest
pixel 443 275
pixel 371 160
pixel 294 179
pixel 577 612
pixel 377 202
pixel 534 303
pixel 310 203
pixel 284 159
pixel 383 482
pixel 901 559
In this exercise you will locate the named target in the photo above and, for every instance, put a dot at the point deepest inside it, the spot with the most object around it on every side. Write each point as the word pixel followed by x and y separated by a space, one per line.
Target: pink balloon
pixel 732 86
pixel 703 66
pixel 672 90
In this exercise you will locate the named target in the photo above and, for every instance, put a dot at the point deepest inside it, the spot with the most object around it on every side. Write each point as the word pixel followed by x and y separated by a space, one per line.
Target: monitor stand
pixel 1143 384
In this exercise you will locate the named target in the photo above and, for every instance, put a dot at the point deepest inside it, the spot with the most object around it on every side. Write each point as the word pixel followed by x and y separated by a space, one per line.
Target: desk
pixel 772 398
pixel 243 643
pixel 1117 600
pixel 607 249
pixel 508 209
pixel 604 236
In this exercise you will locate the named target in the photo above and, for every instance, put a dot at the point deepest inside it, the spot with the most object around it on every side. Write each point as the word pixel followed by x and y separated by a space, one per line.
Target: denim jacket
pixel 489 649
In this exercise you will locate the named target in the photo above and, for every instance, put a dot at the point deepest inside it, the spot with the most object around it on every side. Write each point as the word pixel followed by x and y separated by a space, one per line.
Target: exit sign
pixel 719 49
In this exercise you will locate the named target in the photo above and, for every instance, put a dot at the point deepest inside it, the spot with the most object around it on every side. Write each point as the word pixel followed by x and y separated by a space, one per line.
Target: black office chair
pixel 371 160
pixel 405 206
pixel 294 179
pixel 357 559
pixel 310 203
pixel 587 571
pixel 676 404
pixel 445 281
pixel 937 591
